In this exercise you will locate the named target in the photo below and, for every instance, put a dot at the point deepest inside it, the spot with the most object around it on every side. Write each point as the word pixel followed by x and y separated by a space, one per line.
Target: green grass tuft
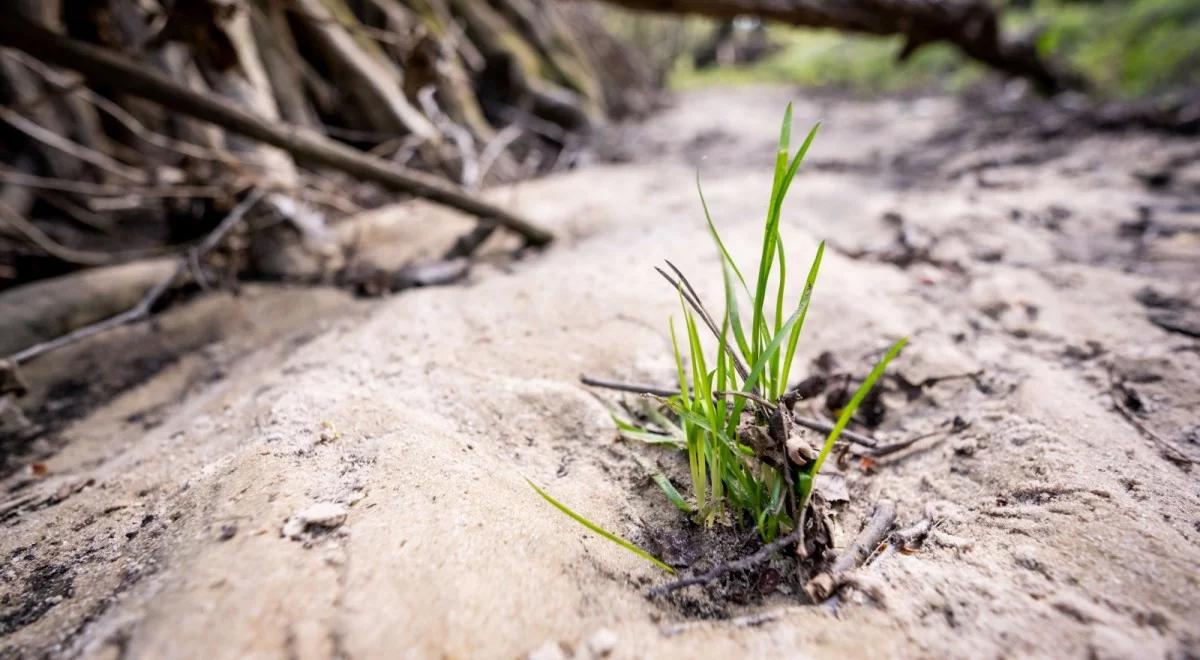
pixel 753 362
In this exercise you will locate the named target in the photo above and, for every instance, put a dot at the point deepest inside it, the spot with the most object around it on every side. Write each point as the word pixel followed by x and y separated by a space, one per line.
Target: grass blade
pixel 805 299
pixel 844 419
pixel 600 530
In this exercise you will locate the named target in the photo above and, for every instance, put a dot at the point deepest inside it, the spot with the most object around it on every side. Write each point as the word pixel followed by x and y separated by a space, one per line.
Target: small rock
pixel 602 643
pixel 321 516
pixel 227 531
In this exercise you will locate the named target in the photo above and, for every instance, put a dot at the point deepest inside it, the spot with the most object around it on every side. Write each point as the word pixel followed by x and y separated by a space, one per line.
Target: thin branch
pixel 69 147
pixel 689 294
pixel 827 582
pixel 628 387
pixel 62 252
pixel 104 190
pixel 142 309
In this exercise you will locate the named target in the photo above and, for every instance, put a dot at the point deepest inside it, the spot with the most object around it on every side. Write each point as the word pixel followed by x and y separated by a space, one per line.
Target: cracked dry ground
pixel 1060 264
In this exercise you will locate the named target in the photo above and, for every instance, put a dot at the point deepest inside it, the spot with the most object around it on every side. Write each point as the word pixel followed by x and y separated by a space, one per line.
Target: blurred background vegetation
pixel 1125 48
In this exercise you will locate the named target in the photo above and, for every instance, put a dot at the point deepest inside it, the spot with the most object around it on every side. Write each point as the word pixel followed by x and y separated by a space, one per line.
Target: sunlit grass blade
pixel 844 419
pixel 774 387
pixel 781 155
pixel 712 229
pixel 600 530
pixel 805 299
pixel 683 384
pixel 729 269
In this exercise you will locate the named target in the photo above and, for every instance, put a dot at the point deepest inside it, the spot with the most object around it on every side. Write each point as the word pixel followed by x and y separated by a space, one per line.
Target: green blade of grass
pixel 648 438
pixel 781 155
pixel 771 232
pixel 805 299
pixel 729 269
pixel 712 228
pixel 683 384
pixel 844 419
pixel 767 256
pixel 600 530
pixel 774 390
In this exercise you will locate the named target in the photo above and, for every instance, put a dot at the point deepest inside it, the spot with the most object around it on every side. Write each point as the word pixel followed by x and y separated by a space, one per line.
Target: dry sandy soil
pixel 1005 245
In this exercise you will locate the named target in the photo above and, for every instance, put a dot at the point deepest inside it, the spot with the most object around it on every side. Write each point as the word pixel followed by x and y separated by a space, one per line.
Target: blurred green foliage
pixel 1125 47
pixel 824 58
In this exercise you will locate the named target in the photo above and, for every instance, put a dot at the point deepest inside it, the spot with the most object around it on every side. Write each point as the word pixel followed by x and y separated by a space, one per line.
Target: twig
pixel 56 141
pixel 494 148
pixel 469 170
pixel 1169 451
pixel 103 190
pixel 67 84
pixel 83 216
pixel 806 422
pixel 826 583
pixel 143 307
pixel 627 387
pixel 717 571
pixel 466 244
pixel 31 233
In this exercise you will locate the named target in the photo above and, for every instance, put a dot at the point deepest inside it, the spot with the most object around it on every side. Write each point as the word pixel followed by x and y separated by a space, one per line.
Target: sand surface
pixel 402 430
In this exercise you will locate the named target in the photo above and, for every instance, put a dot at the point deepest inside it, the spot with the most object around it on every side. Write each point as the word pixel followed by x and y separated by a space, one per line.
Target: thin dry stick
pixel 103 190
pixel 806 422
pixel 62 252
pixel 143 307
pixel 689 295
pixel 826 583
pixel 69 147
pixel 1169 451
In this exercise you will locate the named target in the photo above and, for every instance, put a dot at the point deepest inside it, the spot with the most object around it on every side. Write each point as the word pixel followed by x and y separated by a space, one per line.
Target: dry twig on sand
pixel 824 584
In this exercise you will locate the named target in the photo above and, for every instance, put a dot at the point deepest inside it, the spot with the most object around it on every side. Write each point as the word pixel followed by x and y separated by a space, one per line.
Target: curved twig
pixel 143 307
